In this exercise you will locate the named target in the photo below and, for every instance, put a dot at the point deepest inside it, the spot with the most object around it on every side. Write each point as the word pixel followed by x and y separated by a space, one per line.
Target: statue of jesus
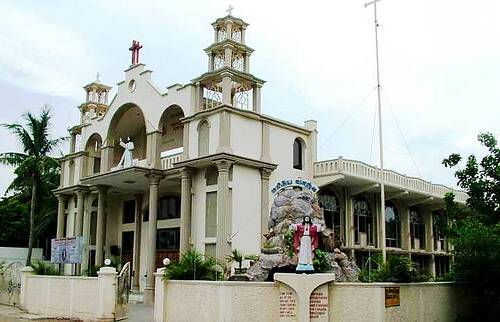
pixel 127 159
pixel 305 242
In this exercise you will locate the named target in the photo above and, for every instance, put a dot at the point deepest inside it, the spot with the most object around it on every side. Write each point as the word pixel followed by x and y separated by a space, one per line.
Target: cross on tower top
pixel 136 46
pixel 230 10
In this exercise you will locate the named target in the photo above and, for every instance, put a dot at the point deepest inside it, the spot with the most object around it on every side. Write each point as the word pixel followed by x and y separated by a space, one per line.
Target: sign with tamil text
pixel 392 296
pixel 66 250
pixel 290 183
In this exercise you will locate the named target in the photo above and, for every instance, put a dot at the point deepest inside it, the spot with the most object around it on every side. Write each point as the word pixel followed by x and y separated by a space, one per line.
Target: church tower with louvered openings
pixel 228 80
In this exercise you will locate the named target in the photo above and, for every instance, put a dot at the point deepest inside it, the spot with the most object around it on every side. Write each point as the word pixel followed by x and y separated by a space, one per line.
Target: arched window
pixel 439 223
pixel 417 229
pixel 203 138
pixel 363 221
pixel 298 154
pixel 392 226
pixel 329 204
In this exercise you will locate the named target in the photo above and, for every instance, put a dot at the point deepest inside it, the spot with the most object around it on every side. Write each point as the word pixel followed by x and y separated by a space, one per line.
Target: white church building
pixel 203 163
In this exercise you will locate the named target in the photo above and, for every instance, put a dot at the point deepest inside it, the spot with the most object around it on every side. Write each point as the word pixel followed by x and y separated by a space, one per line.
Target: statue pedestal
pixel 304 297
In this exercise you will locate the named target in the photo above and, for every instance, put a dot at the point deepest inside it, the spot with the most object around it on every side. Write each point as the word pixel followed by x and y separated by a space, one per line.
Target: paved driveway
pixel 140 312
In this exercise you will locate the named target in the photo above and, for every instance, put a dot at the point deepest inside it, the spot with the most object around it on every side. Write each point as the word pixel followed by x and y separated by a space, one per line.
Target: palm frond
pixel 12 158
pixel 23 136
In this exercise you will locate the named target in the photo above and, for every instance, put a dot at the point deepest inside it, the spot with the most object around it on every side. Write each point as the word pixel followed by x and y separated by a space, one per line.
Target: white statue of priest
pixel 127 159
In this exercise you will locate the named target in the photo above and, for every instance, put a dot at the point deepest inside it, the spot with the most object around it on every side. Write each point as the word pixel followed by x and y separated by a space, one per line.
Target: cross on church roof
pixel 230 10
pixel 136 46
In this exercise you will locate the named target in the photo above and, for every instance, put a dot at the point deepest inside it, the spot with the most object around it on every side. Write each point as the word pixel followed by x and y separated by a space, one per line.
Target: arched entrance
pixel 171 129
pixel 93 148
pixel 128 122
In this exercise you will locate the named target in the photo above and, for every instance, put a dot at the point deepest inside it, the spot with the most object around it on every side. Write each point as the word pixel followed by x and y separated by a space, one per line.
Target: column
pixel 405 228
pixel 223 247
pixel 264 199
pixel 72 142
pixel 224 133
pixel 86 234
pixel 137 242
pixel 257 98
pixel 429 232
pixel 153 149
pixel 226 90
pixel 185 229
pixel 107 153
pixel 100 233
pixel 154 181
pixel 265 149
pixel 185 141
pixel 61 200
pixel 63 173
pixel 80 199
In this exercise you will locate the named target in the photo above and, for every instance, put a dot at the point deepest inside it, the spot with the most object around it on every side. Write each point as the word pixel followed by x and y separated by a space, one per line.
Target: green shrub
pixel 397 269
pixel 322 261
pixel 44 268
pixel 288 236
pixel 194 266
pixel 92 272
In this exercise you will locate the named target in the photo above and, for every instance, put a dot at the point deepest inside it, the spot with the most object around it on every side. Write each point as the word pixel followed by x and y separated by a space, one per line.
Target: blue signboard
pixel 67 250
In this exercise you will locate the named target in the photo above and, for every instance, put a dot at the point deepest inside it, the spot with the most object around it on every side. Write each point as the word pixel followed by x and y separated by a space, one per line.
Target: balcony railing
pixel 167 162
pixel 362 170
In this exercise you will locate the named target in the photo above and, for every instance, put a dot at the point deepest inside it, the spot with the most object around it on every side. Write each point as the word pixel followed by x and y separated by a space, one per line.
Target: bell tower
pixel 96 101
pixel 228 80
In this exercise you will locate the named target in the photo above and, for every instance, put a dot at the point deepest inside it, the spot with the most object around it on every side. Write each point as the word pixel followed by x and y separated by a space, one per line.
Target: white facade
pixel 204 161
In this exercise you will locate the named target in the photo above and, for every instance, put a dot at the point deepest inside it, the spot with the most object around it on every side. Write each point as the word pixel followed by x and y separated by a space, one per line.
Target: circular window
pixel 131 85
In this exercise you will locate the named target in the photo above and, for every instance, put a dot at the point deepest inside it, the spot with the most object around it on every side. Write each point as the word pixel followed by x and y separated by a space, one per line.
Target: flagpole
pixel 381 145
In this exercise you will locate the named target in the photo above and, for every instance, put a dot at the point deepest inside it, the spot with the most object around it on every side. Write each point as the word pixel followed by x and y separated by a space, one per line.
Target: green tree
pixel 475 232
pixel 481 180
pixel 34 165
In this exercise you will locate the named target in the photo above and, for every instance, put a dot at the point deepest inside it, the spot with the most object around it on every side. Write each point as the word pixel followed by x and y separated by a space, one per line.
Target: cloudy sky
pixel 440 64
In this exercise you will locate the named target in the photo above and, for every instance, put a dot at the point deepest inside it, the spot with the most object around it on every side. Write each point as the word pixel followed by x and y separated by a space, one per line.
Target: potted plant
pixel 237 257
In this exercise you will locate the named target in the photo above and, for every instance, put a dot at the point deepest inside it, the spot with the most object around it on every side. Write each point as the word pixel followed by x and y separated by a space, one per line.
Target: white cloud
pixel 439 62
pixel 41 55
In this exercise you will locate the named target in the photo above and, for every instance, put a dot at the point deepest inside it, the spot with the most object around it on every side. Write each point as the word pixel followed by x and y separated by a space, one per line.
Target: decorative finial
pixel 230 10
pixel 97 80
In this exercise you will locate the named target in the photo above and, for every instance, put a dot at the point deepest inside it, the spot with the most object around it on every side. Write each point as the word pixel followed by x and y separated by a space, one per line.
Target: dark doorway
pixel 127 247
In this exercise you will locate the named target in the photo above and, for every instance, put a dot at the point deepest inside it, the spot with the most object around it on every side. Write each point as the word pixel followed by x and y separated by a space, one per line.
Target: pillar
pixel 429 231
pixel 107 153
pixel 61 200
pixel 257 98
pixel 264 199
pixel 185 141
pixel 137 242
pixel 185 229
pixel 153 149
pixel 154 181
pixel 86 234
pixel 265 145
pixel 226 90
pixel 63 173
pixel 405 228
pixel 80 199
pixel 224 133
pixel 223 247
pixel 100 233
pixel 72 143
